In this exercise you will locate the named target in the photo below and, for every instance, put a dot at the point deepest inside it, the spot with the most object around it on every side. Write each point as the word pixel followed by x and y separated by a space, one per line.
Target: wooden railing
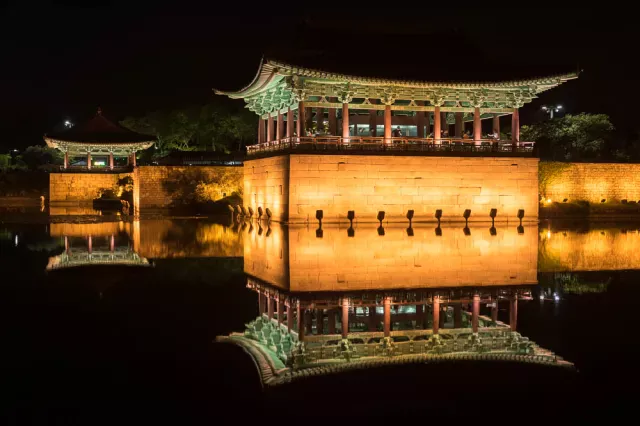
pixel 96 169
pixel 370 143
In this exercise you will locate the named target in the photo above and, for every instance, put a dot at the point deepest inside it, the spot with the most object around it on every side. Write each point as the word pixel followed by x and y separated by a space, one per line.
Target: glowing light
pixel 548 234
pixel 542 297
pixel 15 240
pixel 548 200
pixel 556 298
pixel 559 107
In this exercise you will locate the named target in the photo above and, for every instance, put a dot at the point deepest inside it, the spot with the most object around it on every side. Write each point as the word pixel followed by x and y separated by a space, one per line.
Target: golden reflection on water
pixel 339 262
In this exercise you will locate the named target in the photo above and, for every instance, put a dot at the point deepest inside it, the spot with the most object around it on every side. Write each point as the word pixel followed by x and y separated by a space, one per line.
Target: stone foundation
pixel 295 186
pixel 76 188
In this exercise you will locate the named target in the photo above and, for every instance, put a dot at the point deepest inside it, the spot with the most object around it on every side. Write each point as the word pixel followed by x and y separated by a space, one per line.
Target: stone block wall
pixel 394 184
pixel 590 181
pixel 266 185
pixel 80 187
pixel 157 186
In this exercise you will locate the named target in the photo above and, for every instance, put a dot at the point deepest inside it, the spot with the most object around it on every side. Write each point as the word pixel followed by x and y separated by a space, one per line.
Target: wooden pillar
pixel 300 124
pixel 66 244
pixel 260 130
pixel 457 315
pixel 373 324
pixel 133 159
pixel 331 321
pixel 269 128
pixel 300 322
pixel 308 119
pixel 89 160
pixel 345 317
pixel 513 311
pixel 260 303
pixel 320 119
pixel 333 122
pixel 387 316
pixel 436 313
pixel 436 124
pixel 345 122
pixel 387 124
pixel 515 128
pixel 112 244
pixel 459 124
pixel 475 313
pixel 477 126
pixel 496 124
pixel 420 120
pixel 111 161
pixel 444 125
pixel 280 310
pixel 90 244
pixel 373 120
pixel 319 321
pixel 280 126
pixel 66 159
pixel 269 307
pixel 289 316
pixel 289 122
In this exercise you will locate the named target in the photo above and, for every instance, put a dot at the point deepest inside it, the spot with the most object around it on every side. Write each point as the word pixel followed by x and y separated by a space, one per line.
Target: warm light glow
pixel 548 200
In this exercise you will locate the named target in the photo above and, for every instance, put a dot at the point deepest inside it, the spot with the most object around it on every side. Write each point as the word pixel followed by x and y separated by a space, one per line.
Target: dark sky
pixel 61 62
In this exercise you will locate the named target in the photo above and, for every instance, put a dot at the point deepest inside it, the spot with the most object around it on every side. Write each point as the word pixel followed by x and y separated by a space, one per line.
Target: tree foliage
pixel 215 126
pixel 572 137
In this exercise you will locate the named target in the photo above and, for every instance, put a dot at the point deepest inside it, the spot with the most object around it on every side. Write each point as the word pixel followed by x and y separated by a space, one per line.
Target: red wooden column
pixel 477 126
pixel 300 321
pixel 436 124
pixel 475 313
pixel 260 303
pixel 260 130
pixel 269 307
pixel 345 317
pixel 515 128
pixel 90 244
pixel 289 122
pixel 459 124
pixel 300 128
pixel 496 124
pixel 66 244
pixel 513 311
pixel 289 317
pixel 280 127
pixel 88 160
pixel 269 128
pixel 133 158
pixel 319 321
pixel 66 159
pixel 387 124
pixel 111 161
pixel 457 315
pixel 345 122
pixel 387 316
pixel 333 122
pixel 436 313
pixel 112 244
pixel 331 321
pixel 420 120
pixel 320 119
pixel 280 310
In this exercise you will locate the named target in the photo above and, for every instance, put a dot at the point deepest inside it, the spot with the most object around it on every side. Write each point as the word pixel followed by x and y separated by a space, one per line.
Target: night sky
pixel 60 62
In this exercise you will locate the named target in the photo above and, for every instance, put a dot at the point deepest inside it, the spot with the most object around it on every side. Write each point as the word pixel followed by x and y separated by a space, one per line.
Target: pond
pixel 105 316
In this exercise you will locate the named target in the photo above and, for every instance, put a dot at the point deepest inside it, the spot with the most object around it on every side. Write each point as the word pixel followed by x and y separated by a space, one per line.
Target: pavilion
pixel 99 140
pixel 351 112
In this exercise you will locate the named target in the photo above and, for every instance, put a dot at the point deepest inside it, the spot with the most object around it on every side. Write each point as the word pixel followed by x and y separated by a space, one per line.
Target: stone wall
pixel 394 184
pixel 80 187
pixel 266 185
pixel 590 181
pixel 159 186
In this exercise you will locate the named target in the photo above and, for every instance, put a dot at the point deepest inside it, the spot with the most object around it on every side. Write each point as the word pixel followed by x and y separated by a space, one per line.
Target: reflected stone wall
pixel 593 250
pixel 337 262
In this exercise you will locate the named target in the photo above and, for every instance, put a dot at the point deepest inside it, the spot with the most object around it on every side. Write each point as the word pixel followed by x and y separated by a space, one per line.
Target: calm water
pixel 102 319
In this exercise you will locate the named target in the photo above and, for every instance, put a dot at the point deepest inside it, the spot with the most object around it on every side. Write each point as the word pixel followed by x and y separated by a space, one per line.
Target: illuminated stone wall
pixel 394 184
pixel 592 182
pixel 606 249
pixel 266 185
pixel 337 262
pixel 159 186
pixel 80 187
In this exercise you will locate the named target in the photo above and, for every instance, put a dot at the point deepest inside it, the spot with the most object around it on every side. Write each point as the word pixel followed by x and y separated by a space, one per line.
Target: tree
pixel 572 137
pixel 40 157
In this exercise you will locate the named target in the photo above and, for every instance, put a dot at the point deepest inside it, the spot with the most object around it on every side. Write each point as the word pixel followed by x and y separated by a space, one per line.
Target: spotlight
pixel 268 212
pixel 410 216
pixel 351 214
pixel 319 216
pixel 493 213
pixel 380 217
pixel 520 215
pixel 260 212
pixel 466 215
pixel 438 216
pixel 250 211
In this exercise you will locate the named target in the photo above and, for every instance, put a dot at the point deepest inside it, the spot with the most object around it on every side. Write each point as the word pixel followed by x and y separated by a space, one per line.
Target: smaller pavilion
pixel 99 140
